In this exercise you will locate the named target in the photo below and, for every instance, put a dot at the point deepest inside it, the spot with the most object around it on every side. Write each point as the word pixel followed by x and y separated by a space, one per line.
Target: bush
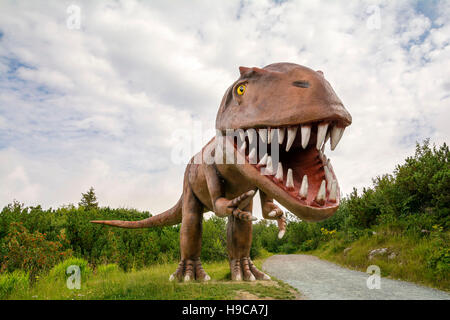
pixel 23 250
pixel 15 281
pixel 59 272
pixel 310 245
pixel 214 239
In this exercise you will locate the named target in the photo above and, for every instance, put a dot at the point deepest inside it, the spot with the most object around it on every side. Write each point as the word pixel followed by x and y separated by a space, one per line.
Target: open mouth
pixel 302 171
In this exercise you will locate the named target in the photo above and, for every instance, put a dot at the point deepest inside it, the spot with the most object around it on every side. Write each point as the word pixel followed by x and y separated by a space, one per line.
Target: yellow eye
pixel 241 89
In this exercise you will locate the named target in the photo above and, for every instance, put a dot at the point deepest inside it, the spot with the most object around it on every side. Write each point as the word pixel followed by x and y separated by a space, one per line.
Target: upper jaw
pixel 301 153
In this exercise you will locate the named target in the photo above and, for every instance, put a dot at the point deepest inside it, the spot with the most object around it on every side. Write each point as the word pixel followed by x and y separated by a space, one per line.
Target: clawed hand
pixel 271 211
pixel 225 207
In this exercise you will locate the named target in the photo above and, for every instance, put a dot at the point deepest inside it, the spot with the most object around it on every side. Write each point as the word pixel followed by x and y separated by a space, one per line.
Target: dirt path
pixel 319 279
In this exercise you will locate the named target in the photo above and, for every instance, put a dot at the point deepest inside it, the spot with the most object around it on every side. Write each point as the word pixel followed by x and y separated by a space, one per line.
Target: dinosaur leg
pixel 190 267
pixel 239 241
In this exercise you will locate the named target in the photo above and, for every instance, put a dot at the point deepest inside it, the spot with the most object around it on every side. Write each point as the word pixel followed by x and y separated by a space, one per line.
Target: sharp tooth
pixel 328 177
pixel 327 137
pixel 330 167
pixel 263 134
pixel 306 133
pixel 336 135
pixel 320 198
pixel 269 166
pixel 270 135
pixel 289 179
pixel 251 135
pixel 321 133
pixel 279 175
pixel 252 156
pixel 292 132
pixel 263 161
pixel 281 133
pixel 242 135
pixel 303 192
pixel 333 191
pixel 242 148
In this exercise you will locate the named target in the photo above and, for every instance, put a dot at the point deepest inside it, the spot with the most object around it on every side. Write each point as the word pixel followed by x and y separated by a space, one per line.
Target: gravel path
pixel 319 279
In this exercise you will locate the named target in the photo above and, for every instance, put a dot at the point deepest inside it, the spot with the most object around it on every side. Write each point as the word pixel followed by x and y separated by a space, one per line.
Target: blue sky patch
pixel 429 8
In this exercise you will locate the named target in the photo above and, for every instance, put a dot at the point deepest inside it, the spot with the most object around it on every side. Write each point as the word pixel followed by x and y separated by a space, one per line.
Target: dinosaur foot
pixel 190 270
pixel 244 269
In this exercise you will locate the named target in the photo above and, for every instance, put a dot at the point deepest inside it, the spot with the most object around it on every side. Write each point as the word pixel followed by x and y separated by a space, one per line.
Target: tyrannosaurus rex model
pixel 272 126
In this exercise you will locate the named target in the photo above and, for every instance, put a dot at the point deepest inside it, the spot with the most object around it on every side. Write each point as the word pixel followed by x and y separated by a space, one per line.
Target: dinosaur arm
pixel 271 211
pixel 222 206
pixel 216 189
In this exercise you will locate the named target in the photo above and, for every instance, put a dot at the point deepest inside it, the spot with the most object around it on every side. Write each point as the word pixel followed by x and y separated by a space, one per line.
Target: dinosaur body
pixel 280 118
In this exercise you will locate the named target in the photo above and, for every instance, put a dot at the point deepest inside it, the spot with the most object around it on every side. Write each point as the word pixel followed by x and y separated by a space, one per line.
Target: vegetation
pixel 406 213
pixel 88 200
pixel 109 282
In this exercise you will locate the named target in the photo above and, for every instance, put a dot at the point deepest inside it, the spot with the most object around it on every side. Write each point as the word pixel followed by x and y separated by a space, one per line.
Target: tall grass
pixel 17 281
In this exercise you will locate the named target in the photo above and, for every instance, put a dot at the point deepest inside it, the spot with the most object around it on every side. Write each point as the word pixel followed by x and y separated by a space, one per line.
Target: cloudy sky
pixel 101 100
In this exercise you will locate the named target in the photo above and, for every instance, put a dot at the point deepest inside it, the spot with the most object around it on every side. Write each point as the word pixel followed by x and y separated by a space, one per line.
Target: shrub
pixel 15 281
pixel 309 245
pixel 29 251
pixel 59 272
pixel 214 245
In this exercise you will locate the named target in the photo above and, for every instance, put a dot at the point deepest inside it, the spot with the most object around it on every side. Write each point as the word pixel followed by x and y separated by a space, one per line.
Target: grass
pixel 153 283
pixel 412 258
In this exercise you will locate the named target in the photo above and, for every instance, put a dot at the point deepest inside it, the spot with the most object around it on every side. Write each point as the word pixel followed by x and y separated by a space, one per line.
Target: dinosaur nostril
pixel 301 84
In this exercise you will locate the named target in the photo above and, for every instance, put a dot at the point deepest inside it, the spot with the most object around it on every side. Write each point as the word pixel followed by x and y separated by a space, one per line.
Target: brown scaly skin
pixel 280 95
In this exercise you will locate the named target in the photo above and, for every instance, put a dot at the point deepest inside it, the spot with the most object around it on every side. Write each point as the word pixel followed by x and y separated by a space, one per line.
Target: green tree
pixel 88 200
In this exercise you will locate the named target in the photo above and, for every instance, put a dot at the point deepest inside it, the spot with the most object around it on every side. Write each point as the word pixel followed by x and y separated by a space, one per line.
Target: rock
pixel 346 250
pixel 377 252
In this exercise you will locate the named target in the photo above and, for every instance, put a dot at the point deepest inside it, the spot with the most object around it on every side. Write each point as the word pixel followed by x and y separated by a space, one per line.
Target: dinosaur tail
pixel 166 218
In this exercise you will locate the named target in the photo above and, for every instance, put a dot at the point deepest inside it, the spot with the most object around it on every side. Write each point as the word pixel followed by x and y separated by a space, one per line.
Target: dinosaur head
pixel 293 111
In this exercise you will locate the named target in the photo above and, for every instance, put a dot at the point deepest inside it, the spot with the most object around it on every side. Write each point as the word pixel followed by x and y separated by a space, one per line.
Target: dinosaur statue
pixel 280 117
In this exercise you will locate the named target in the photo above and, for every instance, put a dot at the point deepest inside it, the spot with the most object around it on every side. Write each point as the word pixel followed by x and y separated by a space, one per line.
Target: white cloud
pixel 97 106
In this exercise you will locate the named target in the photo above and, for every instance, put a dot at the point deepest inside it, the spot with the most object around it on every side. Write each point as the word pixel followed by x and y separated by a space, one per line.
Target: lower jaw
pixel 311 213
pixel 306 209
